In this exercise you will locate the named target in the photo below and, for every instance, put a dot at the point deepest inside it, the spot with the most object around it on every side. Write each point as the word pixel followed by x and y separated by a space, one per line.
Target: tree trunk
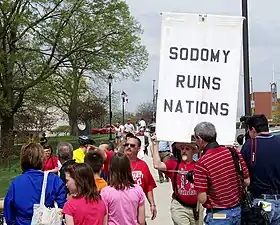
pixel 7 140
pixel 87 130
pixel 73 107
pixel 73 123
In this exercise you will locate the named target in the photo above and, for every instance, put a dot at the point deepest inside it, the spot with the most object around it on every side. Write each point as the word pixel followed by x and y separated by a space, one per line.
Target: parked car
pixel 103 130
pixel 275 132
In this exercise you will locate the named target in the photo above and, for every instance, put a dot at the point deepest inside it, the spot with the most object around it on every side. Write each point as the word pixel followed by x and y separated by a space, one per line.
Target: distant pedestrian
pixel 43 139
pixel 50 161
pixel 164 154
pixel 129 127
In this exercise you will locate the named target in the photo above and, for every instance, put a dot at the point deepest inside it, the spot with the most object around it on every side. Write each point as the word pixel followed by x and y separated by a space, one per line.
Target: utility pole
pixel 154 101
pixel 247 100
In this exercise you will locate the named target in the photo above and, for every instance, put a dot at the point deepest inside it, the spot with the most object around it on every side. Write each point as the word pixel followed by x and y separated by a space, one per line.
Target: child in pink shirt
pixel 85 207
pixel 125 201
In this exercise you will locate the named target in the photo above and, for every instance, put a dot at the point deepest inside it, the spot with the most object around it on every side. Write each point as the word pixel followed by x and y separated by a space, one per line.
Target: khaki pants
pixel 182 215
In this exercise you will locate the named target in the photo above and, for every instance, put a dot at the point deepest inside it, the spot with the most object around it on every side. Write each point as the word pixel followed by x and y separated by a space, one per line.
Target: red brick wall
pixel 263 103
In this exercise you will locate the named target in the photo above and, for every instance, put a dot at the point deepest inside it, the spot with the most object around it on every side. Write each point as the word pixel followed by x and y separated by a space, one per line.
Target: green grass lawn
pixel 7 174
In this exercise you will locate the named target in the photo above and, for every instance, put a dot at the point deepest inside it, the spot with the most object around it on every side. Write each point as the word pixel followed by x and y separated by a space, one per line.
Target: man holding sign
pixel 184 207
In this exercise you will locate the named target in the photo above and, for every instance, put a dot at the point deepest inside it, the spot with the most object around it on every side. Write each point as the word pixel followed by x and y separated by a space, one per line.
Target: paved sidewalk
pixel 162 194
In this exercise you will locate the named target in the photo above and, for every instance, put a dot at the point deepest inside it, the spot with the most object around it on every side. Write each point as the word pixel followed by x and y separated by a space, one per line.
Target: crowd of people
pixel 98 185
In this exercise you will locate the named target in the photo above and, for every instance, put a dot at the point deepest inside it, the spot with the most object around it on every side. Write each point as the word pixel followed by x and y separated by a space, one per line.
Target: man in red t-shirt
pixel 141 172
pixel 180 171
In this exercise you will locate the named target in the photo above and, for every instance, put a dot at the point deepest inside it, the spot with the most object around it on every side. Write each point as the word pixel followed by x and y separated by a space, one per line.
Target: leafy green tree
pixel 30 34
pixel 145 111
pixel 111 45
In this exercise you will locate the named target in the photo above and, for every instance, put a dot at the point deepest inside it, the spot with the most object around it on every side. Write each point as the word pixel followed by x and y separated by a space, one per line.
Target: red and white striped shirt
pixel 216 175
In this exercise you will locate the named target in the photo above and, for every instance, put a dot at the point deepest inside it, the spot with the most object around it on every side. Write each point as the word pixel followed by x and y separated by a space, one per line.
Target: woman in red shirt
pixel 50 162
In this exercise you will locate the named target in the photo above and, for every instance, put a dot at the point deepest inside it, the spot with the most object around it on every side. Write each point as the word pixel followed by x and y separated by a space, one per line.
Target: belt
pixel 214 210
pixel 185 204
pixel 270 197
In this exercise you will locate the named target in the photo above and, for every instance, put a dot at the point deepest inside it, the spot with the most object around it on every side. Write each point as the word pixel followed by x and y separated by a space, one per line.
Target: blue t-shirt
pixel 265 171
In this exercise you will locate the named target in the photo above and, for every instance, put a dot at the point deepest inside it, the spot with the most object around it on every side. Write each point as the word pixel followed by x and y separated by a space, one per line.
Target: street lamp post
pixel 247 99
pixel 110 81
pixel 123 101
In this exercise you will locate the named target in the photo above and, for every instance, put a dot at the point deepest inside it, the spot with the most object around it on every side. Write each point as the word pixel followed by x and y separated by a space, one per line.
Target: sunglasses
pixel 131 145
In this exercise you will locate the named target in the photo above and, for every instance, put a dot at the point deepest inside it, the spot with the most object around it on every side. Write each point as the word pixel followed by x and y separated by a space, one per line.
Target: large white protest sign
pixel 198 76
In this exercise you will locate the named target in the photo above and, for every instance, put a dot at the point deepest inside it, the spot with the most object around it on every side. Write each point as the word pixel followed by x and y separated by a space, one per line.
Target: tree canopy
pixel 50 49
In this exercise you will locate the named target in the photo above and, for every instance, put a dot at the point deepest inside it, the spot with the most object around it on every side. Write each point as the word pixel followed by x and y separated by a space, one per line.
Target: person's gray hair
pixel 206 131
pixel 64 151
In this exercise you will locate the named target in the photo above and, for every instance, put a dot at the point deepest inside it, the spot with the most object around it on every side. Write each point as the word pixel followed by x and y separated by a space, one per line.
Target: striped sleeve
pixel 200 178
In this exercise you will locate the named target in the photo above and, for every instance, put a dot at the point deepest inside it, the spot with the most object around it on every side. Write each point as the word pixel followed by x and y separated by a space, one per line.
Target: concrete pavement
pixel 162 194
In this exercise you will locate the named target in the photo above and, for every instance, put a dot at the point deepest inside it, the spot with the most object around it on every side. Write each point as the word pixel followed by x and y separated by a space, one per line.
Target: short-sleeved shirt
pixel 107 162
pixel 100 183
pixel 122 205
pixel 142 175
pixel 85 212
pixel 128 127
pixel 50 163
pixel 265 172
pixel 215 174
pixel 79 155
pixel 185 190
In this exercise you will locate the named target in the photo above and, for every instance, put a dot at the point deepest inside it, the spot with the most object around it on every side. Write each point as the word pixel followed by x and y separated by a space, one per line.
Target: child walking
pixel 96 162
pixel 85 207
pixel 125 201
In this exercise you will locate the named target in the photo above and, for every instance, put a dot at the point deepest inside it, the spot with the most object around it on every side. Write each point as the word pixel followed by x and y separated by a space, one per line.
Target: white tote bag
pixel 43 215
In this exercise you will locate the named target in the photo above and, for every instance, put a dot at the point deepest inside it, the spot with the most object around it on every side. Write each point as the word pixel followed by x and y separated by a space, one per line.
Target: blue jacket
pixel 25 191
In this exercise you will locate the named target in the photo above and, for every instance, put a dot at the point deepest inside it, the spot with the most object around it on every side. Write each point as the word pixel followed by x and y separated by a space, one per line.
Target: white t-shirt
pixel 142 123
pixel 121 128
pixel 118 131
pixel 128 127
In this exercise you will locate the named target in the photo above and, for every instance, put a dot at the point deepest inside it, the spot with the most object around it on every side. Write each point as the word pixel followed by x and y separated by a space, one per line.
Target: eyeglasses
pixel 128 144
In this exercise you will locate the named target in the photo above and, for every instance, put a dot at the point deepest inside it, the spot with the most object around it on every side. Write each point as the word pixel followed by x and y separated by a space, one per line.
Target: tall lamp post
pixel 154 105
pixel 110 81
pixel 247 100
pixel 123 101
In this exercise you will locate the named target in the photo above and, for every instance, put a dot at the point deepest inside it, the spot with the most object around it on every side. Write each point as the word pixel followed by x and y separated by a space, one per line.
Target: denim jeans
pixel 274 215
pixel 233 217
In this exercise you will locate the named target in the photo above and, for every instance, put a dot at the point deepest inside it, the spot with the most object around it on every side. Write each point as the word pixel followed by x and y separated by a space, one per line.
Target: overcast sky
pixel 264 32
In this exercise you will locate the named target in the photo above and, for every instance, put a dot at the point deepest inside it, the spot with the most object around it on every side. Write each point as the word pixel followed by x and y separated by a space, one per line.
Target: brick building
pixel 261 103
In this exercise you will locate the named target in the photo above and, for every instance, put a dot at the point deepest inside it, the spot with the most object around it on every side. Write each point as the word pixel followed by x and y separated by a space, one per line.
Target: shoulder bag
pixel 43 215
pixel 251 214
